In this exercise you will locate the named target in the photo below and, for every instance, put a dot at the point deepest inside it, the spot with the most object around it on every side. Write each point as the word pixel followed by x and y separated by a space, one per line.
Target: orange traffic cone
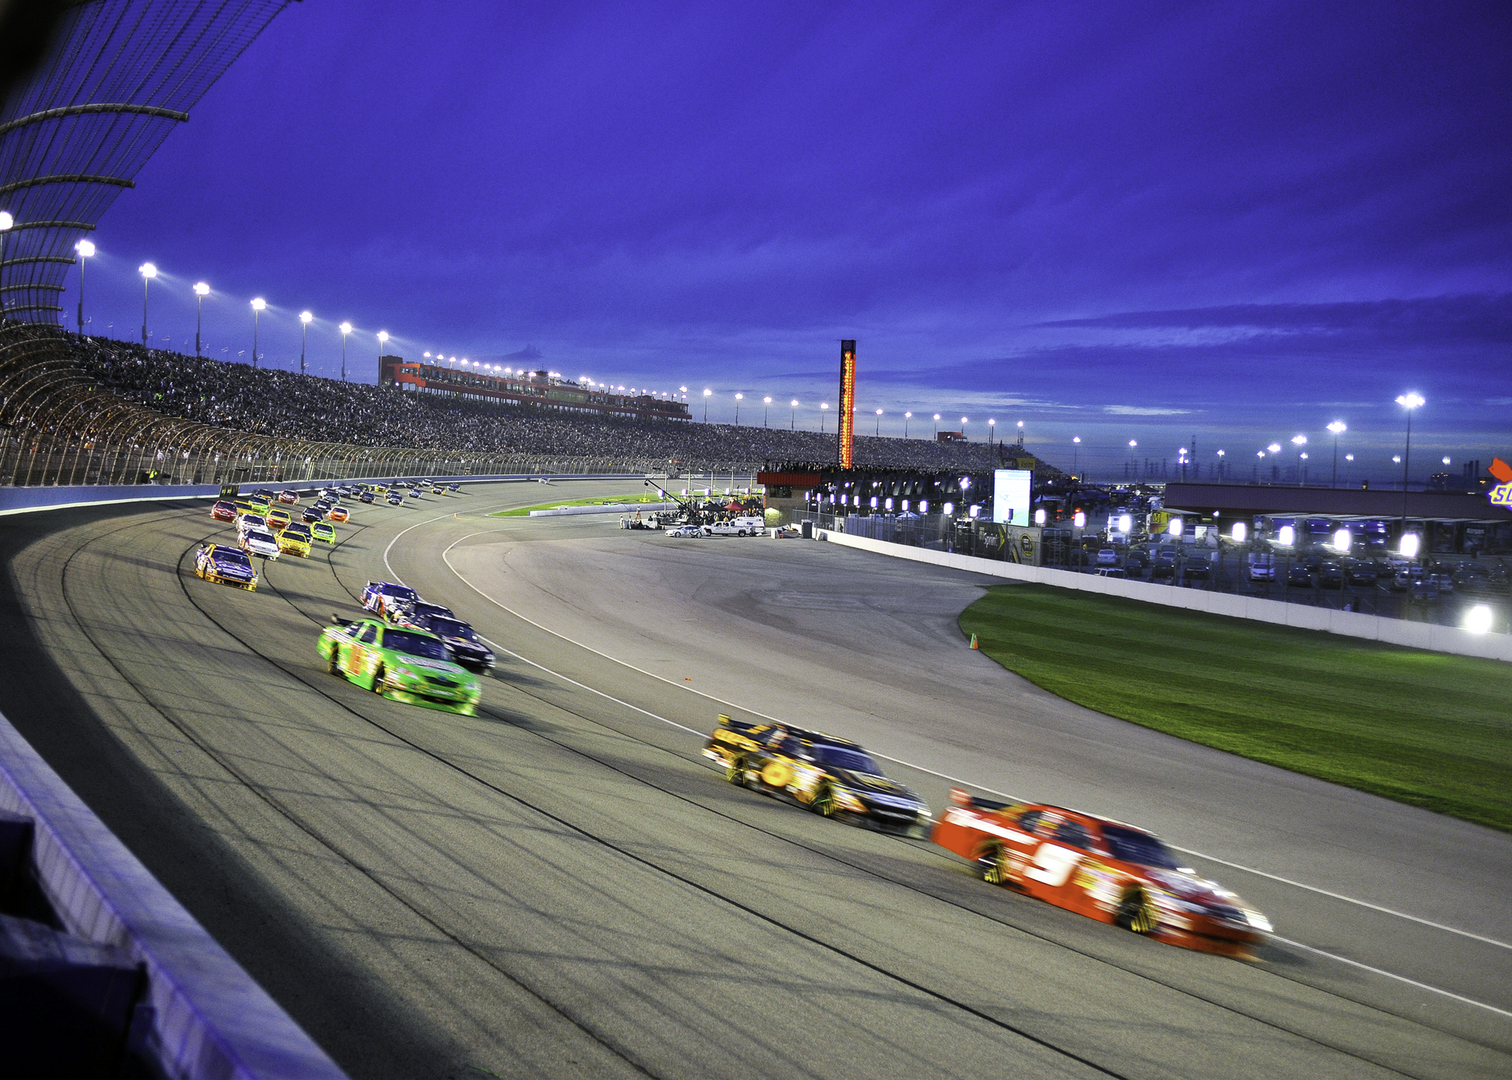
pixel 973 641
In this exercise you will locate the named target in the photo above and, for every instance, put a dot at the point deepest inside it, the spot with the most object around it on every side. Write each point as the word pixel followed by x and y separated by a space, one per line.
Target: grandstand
pixel 105 411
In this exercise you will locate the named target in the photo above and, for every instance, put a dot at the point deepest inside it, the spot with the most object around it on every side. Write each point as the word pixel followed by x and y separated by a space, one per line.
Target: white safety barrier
pixel 24 500
pixel 1416 635
pixel 621 508
pixel 200 1014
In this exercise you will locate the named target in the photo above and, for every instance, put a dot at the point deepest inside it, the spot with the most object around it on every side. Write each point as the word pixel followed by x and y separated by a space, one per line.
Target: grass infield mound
pixel 1424 728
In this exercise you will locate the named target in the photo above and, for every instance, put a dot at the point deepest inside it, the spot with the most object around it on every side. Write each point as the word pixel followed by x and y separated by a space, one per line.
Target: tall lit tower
pixel 847 425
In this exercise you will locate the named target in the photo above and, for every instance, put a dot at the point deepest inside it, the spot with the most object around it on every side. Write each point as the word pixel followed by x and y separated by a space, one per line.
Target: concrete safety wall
pixel 21 500
pixel 200 1015
pixel 1416 635
pixel 620 508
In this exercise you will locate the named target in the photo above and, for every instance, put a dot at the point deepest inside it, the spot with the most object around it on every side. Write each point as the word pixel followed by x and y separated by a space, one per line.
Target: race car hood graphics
pixel 871 784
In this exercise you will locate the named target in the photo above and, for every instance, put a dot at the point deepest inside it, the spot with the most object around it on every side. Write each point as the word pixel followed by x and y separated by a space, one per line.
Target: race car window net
pixel 368 636
pixel 839 757
pixel 1142 849
pixel 415 645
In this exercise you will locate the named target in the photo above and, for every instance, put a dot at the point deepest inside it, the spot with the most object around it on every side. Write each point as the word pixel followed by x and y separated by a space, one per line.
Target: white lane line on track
pixel 1390 975
pixel 932 772
pixel 445 557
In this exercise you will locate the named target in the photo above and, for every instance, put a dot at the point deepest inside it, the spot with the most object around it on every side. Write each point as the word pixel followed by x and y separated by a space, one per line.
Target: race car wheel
pixel 992 863
pixel 334 666
pixel 735 770
pixel 1134 913
pixel 824 801
pixel 378 676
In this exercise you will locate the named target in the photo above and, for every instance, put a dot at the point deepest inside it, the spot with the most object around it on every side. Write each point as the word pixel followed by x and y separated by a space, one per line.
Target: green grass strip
pixel 1425 728
pixel 627 500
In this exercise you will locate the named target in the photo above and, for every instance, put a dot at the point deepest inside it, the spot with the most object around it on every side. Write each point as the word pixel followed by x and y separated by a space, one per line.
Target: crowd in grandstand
pixel 280 403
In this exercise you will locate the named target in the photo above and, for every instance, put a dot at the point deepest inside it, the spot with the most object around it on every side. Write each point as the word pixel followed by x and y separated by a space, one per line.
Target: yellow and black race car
pixel 831 776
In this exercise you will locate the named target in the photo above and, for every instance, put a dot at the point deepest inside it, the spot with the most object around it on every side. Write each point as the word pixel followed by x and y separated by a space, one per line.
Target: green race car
pixel 323 530
pixel 404 664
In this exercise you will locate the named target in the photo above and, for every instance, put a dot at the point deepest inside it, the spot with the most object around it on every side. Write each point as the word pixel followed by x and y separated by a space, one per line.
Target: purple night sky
pixel 1234 221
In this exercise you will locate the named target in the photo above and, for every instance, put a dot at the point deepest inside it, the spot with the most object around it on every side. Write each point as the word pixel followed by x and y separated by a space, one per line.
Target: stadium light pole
pixel 1133 471
pixel 793 416
pixel 1220 465
pixel 383 336
pixel 823 408
pixel 878 430
pixel 1075 450
pixel 766 408
pixel 148 272
pixel 707 392
pixel 1338 428
pixel 991 431
pixel 201 290
pixel 738 399
pixel 305 319
pixel 937 427
pixel 86 250
pixel 345 328
pixel 1408 401
pixel 258 306
pixel 1299 441
pixel 907 416
pixel 7 223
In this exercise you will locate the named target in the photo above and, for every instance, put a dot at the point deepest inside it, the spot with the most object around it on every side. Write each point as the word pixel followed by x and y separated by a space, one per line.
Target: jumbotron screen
pixel 1010 496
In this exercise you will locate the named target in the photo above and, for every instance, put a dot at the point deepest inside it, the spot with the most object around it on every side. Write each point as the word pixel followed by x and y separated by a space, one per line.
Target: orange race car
pixel 1109 871
pixel 338 514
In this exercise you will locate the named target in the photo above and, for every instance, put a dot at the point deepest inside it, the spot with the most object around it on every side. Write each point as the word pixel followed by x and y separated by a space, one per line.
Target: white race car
pixel 685 530
pixel 260 542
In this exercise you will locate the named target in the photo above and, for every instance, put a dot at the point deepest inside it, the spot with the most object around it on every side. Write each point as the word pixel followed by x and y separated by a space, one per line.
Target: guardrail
pixel 105 973
pixel 1429 636
pixel 616 508
pixel 23 500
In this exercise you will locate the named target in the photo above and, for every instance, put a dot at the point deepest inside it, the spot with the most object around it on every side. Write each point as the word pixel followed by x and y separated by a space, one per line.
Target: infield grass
pixel 1424 728
pixel 628 500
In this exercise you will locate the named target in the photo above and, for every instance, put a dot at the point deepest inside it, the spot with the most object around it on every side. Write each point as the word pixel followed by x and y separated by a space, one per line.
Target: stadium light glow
pixel 1039 516
pixel 1410 545
pixel 1125 523
pixel 923 506
pixel 1079 519
pixel 948 509
pixel 6 221
pixel 1342 539
pixel 1286 535
pixel 1239 532
pixel 1478 619
pixel 1176 527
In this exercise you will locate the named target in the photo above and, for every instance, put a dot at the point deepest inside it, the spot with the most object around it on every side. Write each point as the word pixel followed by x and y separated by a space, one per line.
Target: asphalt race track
pixel 561 886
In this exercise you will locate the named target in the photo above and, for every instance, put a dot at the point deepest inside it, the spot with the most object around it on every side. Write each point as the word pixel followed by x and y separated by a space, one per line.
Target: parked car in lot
pixel 1331 576
pixel 1260 566
pixel 1107 557
pixel 1299 575
pixel 1197 566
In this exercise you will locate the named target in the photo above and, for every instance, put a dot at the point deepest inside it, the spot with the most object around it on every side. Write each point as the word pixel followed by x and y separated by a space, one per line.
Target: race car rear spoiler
pixel 962 797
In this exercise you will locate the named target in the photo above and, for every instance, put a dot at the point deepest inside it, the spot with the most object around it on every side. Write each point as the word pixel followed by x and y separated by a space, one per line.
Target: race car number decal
pixel 354 659
pixel 1053 865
